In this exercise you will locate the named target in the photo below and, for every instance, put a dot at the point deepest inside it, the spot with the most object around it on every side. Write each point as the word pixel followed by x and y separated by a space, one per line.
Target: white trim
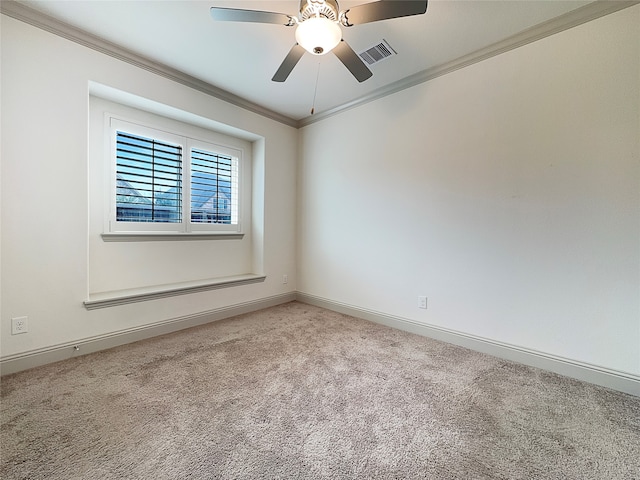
pixel 614 379
pixel 45 22
pixel 56 353
pixel 576 17
pixel 161 236
pixel 124 297
pixel 559 24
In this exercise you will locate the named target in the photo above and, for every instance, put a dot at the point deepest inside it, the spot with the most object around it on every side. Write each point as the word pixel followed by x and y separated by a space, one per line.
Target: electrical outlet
pixel 422 302
pixel 285 278
pixel 19 325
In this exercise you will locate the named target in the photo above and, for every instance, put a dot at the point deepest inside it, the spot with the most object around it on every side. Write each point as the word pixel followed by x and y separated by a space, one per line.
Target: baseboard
pixel 39 357
pixel 616 380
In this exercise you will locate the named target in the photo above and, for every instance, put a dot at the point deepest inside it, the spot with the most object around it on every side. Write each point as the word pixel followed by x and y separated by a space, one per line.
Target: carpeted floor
pixel 296 391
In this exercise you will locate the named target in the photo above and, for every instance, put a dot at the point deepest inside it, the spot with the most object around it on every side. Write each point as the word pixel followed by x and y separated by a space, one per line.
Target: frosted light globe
pixel 318 35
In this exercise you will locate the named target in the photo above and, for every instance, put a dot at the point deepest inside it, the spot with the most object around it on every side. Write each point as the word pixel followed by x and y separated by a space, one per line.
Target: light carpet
pixel 296 391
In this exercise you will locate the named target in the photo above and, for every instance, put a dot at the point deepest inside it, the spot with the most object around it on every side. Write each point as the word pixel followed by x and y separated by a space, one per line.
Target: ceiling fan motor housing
pixel 323 8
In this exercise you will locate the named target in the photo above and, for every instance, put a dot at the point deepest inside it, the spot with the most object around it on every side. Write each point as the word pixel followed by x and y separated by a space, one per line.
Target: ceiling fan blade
pixel 352 61
pixel 383 10
pixel 289 62
pixel 255 16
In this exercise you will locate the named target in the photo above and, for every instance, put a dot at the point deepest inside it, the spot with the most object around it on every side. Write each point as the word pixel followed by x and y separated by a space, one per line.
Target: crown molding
pixel 37 19
pixel 581 15
pixel 591 11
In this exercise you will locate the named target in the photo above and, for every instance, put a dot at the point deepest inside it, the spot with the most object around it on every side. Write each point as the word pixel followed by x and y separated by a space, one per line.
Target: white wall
pixel 507 192
pixel 45 191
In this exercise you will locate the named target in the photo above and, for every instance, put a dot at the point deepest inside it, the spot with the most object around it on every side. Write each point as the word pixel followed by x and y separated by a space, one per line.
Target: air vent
pixel 378 52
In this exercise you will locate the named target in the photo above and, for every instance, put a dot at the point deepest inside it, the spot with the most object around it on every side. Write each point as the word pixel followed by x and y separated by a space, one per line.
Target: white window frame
pixel 116 124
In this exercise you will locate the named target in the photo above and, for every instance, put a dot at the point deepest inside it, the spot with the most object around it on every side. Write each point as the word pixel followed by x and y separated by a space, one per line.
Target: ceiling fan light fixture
pixel 318 35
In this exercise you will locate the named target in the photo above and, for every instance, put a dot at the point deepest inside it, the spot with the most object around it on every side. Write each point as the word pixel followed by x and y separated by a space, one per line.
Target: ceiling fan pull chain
pixel 315 91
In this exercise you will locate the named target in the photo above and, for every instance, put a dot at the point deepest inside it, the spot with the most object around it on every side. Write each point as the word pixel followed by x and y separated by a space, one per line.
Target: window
pixel 214 190
pixel 163 182
pixel 148 180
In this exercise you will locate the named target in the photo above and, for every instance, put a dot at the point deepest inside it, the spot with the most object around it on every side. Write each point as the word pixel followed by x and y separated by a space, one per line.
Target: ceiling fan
pixel 318 28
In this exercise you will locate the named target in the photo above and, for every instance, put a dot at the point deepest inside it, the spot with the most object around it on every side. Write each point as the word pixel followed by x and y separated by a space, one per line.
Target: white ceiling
pixel 241 58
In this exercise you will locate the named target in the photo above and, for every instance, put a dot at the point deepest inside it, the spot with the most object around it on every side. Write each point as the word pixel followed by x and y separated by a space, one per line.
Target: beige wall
pixel 507 192
pixel 45 197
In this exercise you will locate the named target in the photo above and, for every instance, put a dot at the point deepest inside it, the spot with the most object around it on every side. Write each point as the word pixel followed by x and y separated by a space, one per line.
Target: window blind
pixel 148 180
pixel 214 188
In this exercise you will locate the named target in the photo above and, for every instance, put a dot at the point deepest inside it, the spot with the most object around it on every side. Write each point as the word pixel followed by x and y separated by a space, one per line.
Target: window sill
pixel 163 236
pixel 123 297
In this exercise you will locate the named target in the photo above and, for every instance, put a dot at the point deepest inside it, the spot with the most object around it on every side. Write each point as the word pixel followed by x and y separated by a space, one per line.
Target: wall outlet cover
pixel 422 302
pixel 19 325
